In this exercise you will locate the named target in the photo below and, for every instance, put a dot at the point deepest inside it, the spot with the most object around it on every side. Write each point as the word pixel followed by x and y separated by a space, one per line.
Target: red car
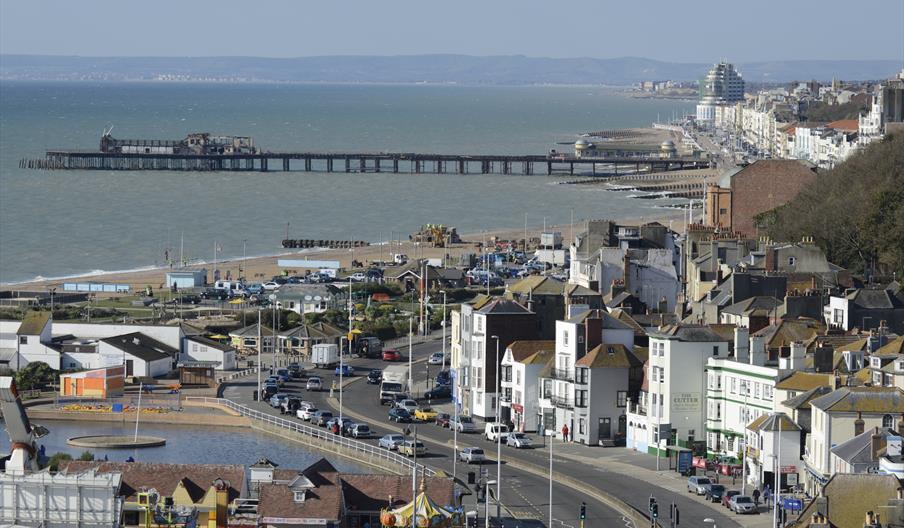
pixel 442 419
pixel 391 354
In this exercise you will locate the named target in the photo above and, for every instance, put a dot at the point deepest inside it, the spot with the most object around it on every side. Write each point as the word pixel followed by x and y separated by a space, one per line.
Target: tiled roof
pixel 689 333
pixel 538 285
pixel 802 400
pixel 322 502
pixel 760 305
pixel 211 343
pixel 576 290
pixel 787 332
pixel 889 400
pixel 847 125
pixel 372 492
pixel 849 496
pixel 33 323
pixel 895 346
pixel 542 357
pixel 608 321
pixel 773 422
pixel 609 356
pixel 874 299
pixel 503 306
pixel 251 331
pixel 804 381
pixel 629 320
pixel 858 450
pixel 522 350
pixel 138 476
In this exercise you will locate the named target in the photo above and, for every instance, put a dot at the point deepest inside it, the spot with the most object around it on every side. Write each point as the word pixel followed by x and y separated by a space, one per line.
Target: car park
pixel 374 377
pixel 321 418
pixel 518 440
pixel 425 414
pixel 438 393
pixel 314 384
pixel 726 497
pixel 714 492
pixel 407 404
pixel 435 358
pixel 442 419
pixel 698 485
pixel 391 354
pixel 391 441
pixel 472 455
pixel 411 448
pixel 306 413
pixel 360 431
pixel 494 431
pixel 399 415
pixel 464 424
pixel 742 504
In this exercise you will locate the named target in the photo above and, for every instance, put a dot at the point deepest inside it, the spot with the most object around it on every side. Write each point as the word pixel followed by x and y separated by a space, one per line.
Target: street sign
pixel 685 460
pixel 790 503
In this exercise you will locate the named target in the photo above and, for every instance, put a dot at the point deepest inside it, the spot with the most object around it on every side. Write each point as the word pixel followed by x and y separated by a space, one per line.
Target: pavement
pixel 580 473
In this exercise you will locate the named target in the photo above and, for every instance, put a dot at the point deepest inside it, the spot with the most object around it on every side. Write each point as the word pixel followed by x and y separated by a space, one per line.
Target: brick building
pixel 739 196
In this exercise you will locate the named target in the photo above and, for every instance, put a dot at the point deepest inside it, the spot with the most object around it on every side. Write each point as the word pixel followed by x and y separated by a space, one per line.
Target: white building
pixel 142 355
pixel 198 348
pixel 722 85
pixel 773 445
pixel 521 367
pixel 61 500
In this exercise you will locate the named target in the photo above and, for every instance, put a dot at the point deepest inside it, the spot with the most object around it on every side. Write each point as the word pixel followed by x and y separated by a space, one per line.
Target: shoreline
pixel 265 266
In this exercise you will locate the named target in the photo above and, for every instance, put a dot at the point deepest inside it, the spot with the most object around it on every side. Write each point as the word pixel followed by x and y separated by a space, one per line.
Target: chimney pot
pixel 858 424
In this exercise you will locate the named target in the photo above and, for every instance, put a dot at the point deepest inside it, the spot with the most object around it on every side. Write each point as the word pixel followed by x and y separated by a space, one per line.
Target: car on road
pixel 407 404
pixel 399 415
pixel 494 431
pixel 271 286
pixel 360 431
pixel 472 455
pixel 439 392
pixel 215 295
pixel 314 384
pixel 295 370
pixel 346 370
pixel 391 354
pixel 275 379
pixel 374 377
pixel 358 277
pixel 714 492
pixel 464 424
pixel 290 405
pixel 277 399
pixel 391 441
pixel 742 504
pixel 321 418
pixel 435 358
pixel 727 496
pixel 518 440
pixel 268 391
pixel 425 414
pixel 410 448
pixel 442 419
pixel 284 375
pixel 443 377
pixel 342 423
pixel 306 413
pixel 698 485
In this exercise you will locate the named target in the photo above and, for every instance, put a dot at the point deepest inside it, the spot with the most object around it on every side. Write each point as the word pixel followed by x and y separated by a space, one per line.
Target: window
pixel 194 347
pixel 792 261
pixel 734 385
pixel 518 377
pixel 621 399
pixel 654 399
pixel 888 421
pixel 479 323
pixel 582 426
pixel 767 392
pixel 838 316
pixel 565 337
pixel 582 375
pixel 715 351
pixel 756 390
pixel 23 340
pixel 580 398
pixel 547 388
pixel 661 375
pixel 723 211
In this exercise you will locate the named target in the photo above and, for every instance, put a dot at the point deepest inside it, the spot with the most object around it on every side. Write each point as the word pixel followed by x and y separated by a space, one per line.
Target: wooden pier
pixel 410 163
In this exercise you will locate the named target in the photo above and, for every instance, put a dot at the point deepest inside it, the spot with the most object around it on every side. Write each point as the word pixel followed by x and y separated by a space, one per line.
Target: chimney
pixel 741 344
pixel 858 424
pixel 593 329
pixel 757 350
pixel 798 353
pixel 617 286
pixel 877 442
pixel 771 258
pixel 713 254
pixel 626 274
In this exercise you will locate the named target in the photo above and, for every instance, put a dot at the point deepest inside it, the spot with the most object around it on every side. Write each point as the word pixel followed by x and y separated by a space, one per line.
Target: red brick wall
pixel 763 186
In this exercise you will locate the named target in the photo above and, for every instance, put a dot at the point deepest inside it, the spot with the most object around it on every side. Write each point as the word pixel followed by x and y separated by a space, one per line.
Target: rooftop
pixel 522 350
pixel 33 323
pixel 609 356
pixel 886 400
pixel 141 346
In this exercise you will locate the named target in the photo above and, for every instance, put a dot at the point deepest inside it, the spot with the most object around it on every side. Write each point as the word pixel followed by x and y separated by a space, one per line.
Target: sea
pixel 56 224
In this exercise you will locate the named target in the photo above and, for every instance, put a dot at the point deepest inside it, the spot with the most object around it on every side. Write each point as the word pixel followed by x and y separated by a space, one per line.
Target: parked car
pixel 306 405
pixel 374 377
pixel 410 447
pixel 358 277
pixel 346 370
pixel 727 496
pixel 518 440
pixel 391 441
pixel 343 423
pixel 472 455
pixel 275 379
pixel 399 415
pixel 277 399
pixel 464 424
pixel 407 404
pixel 268 391
pixel 360 431
pixel 439 392
pixel 493 431
pixel 314 384
pixel 442 419
pixel 435 358
pixel 271 285
pixel 391 354
pixel 425 414
pixel 714 492
pixel 698 485
pixel 306 413
pixel 284 375
pixel 290 405
pixel 742 504
pixel 254 289
pixel 443 377
pixel 215 294
pixel 321 418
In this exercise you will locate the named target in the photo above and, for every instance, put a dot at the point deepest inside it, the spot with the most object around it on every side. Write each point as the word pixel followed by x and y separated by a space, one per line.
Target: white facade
pixel 200 350
pixel 61 500
pixel 523 383
pixel 110 355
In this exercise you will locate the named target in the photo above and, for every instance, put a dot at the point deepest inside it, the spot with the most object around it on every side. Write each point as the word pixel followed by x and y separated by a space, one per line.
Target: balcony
pixel 563 374
pixel 636 408
pixel 563 402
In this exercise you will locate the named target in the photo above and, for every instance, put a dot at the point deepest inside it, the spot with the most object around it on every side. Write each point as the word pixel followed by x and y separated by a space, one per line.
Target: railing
pixel 313 432
pixel 562 401
pixel 563 374
pixel 237 374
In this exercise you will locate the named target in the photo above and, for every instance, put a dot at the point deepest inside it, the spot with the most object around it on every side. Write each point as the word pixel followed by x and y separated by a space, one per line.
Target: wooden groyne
pixel 331 244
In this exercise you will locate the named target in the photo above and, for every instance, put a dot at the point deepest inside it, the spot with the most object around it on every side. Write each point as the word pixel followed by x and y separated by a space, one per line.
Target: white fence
pixel 315 432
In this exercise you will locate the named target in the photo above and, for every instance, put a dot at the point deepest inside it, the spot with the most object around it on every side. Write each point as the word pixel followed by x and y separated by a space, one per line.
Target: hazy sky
pixel 689 30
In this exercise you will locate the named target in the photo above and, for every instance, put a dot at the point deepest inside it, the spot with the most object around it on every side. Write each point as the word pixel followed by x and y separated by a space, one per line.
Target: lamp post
pixel 443 324
pixel 744 457
pixel 410 351
pixel 552 437
pixel 455 397
pixel 272 298
pixel 341 368
pixel 658 407
pixel 260 346
pixel 498 436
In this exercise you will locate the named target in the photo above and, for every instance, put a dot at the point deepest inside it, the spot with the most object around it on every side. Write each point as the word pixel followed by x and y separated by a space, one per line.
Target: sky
pixel 677 31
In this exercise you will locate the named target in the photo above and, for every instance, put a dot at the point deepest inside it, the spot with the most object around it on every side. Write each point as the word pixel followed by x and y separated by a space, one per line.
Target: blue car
pixel 444 377
pixel 347 370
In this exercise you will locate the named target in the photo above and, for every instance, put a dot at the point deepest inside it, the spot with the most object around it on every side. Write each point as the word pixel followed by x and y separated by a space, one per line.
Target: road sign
pixel 790 503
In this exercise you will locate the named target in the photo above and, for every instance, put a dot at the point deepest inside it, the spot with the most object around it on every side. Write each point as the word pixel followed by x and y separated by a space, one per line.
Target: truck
pixel 325 355
pixel 395 383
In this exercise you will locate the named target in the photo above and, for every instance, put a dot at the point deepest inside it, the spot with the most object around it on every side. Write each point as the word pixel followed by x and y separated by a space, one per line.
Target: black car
pixel 374 377
pixel 439 392
pixel 444 377
pixel 714 492
pixel 399 415
pixel 214 294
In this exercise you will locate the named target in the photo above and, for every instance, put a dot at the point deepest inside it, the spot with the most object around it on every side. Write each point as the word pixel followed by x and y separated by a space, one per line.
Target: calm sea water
pixel 58 223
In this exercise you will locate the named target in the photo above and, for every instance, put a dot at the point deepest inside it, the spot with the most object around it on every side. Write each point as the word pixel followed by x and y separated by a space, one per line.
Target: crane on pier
pixel 23 454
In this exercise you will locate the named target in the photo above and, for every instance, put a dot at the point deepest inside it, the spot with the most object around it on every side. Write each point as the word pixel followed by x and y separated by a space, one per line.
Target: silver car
pixel 464 424
pixel 742 504
pixel 391 441
pixel 698 485
pixel 472 455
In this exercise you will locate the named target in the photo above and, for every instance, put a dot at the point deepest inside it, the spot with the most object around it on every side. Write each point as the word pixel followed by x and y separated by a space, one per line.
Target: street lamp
pixel 260 346
pixel 498 436
pixel 341 339
pixel 744 454
pixel 443 324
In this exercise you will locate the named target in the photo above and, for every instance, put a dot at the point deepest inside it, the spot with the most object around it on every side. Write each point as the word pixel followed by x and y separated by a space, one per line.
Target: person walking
pixel 756 497
pixel 767 497
pixel 565 433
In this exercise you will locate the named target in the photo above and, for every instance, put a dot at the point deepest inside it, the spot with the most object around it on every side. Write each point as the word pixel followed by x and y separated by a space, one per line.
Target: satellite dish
pixel 317 298
pixel 307 297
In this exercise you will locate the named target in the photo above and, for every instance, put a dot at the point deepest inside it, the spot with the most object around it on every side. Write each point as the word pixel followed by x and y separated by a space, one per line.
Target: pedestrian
pixel 565 433
pixel 756 497
pixel 767 497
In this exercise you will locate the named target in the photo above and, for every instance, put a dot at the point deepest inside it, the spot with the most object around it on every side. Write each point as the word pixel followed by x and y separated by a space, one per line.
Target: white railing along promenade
pixel 314 432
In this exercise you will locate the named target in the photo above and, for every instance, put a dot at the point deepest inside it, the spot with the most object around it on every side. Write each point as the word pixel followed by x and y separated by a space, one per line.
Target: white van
pixel 494 430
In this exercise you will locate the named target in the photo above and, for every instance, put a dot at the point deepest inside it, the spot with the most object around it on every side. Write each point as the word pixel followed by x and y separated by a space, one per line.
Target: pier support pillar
pixel 348 165
pixel 329 164
pixel 395 165
pixel 307 164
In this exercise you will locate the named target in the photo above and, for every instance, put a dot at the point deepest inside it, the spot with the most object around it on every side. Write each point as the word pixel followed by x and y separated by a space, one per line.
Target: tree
pixel 34 375
pixel 54 463
pixel 86 456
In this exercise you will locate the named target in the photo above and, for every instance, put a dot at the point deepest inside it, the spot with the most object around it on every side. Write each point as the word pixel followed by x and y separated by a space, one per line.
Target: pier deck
pixel 412 163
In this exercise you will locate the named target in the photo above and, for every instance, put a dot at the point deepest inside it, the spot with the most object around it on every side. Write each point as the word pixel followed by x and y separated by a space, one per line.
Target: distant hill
pixel 855 212
pixel 462 69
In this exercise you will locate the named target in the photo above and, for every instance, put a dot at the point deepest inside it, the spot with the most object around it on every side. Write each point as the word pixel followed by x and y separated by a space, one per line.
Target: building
pixel 850 500
pixel 189 278
pixel 864 452
pixel 311 298
pixel 199 348
pixel 98 383
pixel 246 339
pixel 866 308
pixel 736 200
pixel 521 367
pixel 54 500
pixel 722 85
pixel 773 445
pixel 841 415
pixel 474 349
pixel 142 355
pixel 299 340
pixel 552 299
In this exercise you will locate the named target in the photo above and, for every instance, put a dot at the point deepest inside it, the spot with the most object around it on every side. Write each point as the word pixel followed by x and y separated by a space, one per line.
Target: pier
pixel 409 163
